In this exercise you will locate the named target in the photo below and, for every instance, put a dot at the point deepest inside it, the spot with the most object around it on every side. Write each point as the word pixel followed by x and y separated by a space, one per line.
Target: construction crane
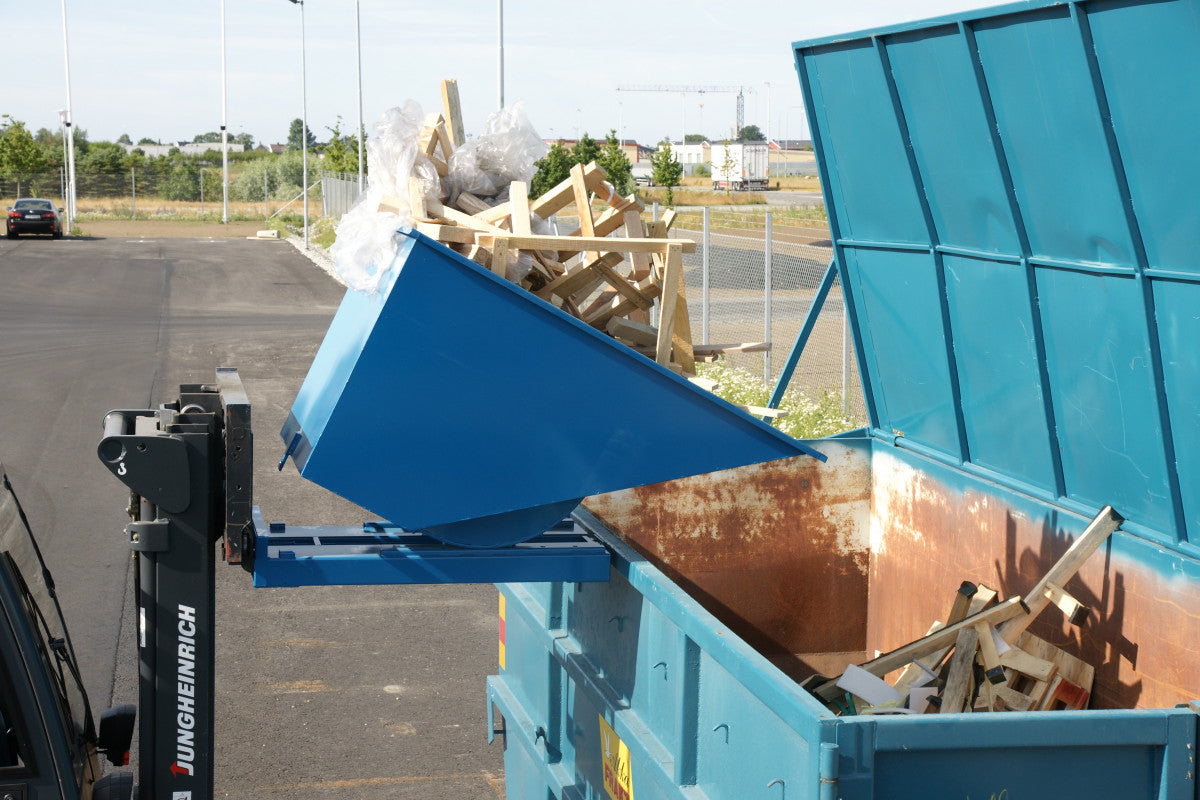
pixel 684 91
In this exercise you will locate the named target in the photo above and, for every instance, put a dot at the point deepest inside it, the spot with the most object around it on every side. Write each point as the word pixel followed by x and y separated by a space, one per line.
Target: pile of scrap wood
pixel 609 273
pixel 981 658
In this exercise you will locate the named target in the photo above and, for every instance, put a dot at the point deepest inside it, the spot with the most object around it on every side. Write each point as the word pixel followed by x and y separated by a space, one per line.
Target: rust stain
pixel 779 551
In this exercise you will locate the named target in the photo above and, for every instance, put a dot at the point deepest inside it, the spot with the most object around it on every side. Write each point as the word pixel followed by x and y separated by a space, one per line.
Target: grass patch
pixel 324 232
pixel 807 418
pixel 693 197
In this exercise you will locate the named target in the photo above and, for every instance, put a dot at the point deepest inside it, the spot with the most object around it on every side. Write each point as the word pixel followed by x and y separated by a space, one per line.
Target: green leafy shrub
pixel 806 419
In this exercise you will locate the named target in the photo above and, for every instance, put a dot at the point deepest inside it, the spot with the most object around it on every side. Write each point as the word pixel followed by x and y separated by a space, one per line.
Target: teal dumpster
pixel 1010 196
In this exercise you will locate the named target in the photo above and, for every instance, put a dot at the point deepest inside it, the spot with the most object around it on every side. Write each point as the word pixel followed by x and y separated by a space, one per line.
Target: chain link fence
pixel 187 191
pixel 731 300
pixel 753 278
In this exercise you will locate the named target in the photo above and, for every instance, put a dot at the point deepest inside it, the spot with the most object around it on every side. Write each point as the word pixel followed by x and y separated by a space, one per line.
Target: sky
pixel 154 69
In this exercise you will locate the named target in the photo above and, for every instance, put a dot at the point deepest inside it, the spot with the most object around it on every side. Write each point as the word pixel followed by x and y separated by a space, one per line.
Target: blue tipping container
pixel 1011 202
pixel 455 403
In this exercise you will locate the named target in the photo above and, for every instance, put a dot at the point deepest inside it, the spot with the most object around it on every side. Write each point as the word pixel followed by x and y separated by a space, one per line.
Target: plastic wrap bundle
pixel 366 238
pixel 506 151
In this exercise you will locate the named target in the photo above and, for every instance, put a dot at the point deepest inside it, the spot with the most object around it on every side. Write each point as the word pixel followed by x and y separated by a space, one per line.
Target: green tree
pixel 124 139
pixel 245 140
pixel 668 171
pixel 297 133
pixel 20 156
pixel 147 140
pixel 751 133
pixel 694 138
pixel 552 169
pixel 102 157
pixel 586 150
pixel 208 138
pixel 612 159
pixel 341 154
pixel 183 181
pixel 727 167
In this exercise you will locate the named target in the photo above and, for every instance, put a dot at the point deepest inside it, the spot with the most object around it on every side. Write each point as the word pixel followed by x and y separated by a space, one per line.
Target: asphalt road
pixel 330 692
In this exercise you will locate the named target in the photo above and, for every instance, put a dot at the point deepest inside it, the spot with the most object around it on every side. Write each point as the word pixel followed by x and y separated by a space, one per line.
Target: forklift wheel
pixel 114 786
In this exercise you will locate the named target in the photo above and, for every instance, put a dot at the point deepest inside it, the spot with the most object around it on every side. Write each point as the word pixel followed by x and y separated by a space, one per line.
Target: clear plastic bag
pixel 367 241
pixel 506 151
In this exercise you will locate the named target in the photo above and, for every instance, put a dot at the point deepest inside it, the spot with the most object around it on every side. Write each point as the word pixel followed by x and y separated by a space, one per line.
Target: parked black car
pixel 33 215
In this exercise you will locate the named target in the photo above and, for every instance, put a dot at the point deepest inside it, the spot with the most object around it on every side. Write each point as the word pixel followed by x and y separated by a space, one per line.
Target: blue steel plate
pixel 455 403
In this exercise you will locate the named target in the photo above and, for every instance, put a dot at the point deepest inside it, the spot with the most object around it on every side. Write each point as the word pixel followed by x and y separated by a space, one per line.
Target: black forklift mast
pixel 188 465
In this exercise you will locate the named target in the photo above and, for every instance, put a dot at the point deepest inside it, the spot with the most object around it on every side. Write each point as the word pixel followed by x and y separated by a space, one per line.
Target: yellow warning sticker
pixel 618 773
pixel 502 630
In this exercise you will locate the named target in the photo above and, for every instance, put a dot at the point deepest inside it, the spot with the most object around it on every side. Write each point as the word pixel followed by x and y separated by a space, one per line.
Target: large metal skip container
pixel 458 404
pixel 1011 196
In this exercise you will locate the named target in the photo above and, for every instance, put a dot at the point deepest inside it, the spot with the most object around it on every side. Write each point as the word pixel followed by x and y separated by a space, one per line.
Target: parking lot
pixel 326 692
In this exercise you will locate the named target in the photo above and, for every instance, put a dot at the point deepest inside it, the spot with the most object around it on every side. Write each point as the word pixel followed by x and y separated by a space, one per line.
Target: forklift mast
pixel 188 466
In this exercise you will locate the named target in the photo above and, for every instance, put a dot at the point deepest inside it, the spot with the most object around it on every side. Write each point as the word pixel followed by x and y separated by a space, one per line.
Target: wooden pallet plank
pixel 922 647
pixel 960 677
pixel 672 280
pixel 578 244
pixel 452 109
pixel 518 198
pixel 1096 533
pixel 561 195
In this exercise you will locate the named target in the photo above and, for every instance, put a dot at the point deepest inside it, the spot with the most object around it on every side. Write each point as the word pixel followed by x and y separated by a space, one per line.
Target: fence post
pixel 704 305
pixel 767 254
pixel 655 217
pixel 133 186
pixel 845 360
pixel 266 197
pixel 202 194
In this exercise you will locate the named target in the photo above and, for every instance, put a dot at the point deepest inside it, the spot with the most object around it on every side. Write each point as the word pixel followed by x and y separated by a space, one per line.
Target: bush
pixel 807 418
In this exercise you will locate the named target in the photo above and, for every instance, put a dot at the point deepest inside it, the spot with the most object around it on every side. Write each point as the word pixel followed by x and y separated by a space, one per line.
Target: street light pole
pixel 303 117
pixel 768 83
pixel 500 52
pixel 67 122
pixel 358 43
pixel 224 131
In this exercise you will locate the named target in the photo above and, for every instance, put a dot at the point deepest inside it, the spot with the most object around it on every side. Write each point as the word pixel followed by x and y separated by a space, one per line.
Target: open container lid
pixel 1012 202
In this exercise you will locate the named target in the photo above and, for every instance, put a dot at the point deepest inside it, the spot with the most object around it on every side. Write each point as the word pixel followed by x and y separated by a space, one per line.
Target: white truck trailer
pixel 740 165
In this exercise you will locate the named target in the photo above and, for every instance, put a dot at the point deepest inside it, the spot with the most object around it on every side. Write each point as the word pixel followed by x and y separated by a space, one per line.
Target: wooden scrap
pixel 500 258
pixel 671 282
pixel 453 112
pixel 988 654
pixel 763 411
pixel 563 194
pixel 1075 611
pixel 579 276
pixel 961 672
pixel 632 332
pixel 901 656
pixel 578 244
pixel 1096 533
pixel 447 234
pixel 472 205
pixel 518 198
pixel 416 199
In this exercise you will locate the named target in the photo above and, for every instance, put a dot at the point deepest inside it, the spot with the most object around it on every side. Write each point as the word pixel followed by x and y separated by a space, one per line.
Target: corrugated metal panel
pixel 1011 194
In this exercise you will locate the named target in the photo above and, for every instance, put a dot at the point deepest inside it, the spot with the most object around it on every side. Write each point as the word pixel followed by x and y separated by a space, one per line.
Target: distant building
pixel 790 144
pixel 186 148
pixel 633 151
pixel 278 149
pixel 692 155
